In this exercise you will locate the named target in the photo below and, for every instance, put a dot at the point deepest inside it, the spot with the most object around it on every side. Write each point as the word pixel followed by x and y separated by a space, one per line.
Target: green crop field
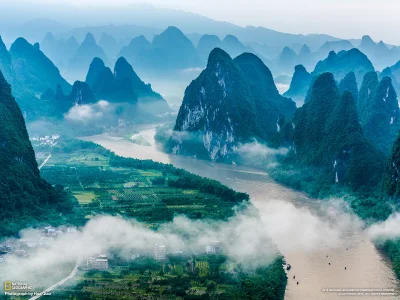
pixel 152 193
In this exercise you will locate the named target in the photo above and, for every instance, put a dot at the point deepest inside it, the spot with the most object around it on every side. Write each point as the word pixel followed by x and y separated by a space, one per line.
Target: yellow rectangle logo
pixel 7 286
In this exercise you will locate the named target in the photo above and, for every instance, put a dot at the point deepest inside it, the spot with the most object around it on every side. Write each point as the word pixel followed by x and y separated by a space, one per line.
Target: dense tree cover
pixel 25 199
pixel 185 179
pixel 379 111
pixel 391 194
pixel 231 101
pixel 391 183
pixel 202 277
pixel 329 153
pixel 265 283
pixel 271 108
pixel 349 83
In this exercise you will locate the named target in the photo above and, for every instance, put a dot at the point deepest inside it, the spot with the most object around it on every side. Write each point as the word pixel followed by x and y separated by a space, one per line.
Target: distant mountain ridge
pixel 31 74
pixel 339 64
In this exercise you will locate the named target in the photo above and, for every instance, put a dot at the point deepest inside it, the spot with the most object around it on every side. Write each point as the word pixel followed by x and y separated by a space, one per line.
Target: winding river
pixel 326 249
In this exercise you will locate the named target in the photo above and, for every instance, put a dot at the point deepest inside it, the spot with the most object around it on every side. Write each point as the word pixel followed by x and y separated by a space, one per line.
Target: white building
pixel 97 263
pixel 214 247
pixel 160 252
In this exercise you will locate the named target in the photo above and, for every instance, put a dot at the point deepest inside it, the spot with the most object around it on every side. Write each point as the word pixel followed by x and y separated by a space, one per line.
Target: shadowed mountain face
pixel 349 83
pixel 391 177
pixel 123 85
pixel 227 104
pixel 24 197
pixel 31 74
pixel 80 94
pixel 327 134
pixel 95 68
pixel 299 85
pixel 5 62
pixel 33 69
pixel 378 109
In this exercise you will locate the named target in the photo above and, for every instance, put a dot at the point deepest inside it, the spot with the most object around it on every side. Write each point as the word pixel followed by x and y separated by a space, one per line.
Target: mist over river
pixel 317 239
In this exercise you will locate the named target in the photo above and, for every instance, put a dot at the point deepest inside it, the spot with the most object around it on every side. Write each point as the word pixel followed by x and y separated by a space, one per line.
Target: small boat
pixel 288 267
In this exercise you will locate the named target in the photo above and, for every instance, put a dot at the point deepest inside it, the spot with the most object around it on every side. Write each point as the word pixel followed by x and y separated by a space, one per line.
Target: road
pixel 61 282
pixel 45 161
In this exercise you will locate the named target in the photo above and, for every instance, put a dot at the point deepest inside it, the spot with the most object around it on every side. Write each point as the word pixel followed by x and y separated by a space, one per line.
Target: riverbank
pixel 297 225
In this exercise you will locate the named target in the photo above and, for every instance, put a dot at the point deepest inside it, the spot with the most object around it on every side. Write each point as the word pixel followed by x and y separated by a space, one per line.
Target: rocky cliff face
pixel 226 105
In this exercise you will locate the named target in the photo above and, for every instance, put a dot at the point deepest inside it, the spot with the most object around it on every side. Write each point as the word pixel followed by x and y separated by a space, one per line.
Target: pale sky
pixel 341 18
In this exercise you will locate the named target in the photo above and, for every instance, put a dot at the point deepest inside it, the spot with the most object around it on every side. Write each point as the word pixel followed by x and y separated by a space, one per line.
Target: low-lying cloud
pixel 260 155
pixel 243 239
pixel 253 237
pixel 301 229
pixel 88 112
pixel 386 230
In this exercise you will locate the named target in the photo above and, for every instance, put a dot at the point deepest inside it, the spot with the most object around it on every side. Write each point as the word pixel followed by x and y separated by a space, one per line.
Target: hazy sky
pixel 342 18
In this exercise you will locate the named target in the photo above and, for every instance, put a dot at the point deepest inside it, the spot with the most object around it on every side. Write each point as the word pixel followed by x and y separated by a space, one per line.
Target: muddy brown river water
pixel 306 231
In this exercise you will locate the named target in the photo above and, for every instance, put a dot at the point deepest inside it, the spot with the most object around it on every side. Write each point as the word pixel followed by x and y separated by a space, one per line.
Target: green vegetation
pixel 25 198
pixel 349 83
pixel 379 109
pixel 150 192
pixel 153 193
pixel 231 101
pixel 179 277
pixel 328 139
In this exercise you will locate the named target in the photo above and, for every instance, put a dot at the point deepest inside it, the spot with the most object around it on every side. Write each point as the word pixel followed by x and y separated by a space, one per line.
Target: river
pixel 316 241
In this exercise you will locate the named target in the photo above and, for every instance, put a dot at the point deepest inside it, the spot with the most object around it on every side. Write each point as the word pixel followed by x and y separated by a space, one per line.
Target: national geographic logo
pixel 8 286
pixel 11 286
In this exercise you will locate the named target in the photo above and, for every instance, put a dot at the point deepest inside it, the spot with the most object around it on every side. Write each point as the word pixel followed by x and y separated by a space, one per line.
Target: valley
pixel 200 151
pixel 366 266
